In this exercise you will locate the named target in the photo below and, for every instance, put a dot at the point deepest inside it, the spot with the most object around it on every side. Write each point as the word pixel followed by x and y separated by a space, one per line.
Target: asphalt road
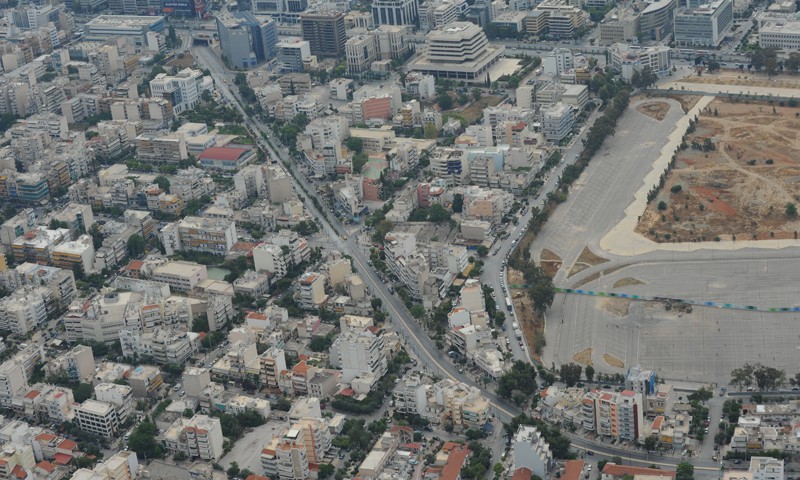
pixel 419 344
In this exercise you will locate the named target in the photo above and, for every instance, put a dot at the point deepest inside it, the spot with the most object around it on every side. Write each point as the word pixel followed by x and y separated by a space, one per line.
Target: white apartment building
pixel 558 61
pixel 195 380
pixel 180 275
pixel 197 437
pixel 629 58
pixel 557 121
pixel 411 395
pixel 78 364
pixel 311 290
pixel 12 381
pixel 23 310
pixel 120 396
pixel 532 451
pixel 359 354
pixel 209 235
pixel 182 90
pixel 270 258
pixel 98 418
pixel 164 345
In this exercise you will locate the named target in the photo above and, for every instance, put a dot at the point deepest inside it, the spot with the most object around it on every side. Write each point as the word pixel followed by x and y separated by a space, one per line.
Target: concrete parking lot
pixel 247 450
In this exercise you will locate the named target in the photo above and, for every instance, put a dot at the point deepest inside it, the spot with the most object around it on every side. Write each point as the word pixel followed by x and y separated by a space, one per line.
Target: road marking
pixel 637 460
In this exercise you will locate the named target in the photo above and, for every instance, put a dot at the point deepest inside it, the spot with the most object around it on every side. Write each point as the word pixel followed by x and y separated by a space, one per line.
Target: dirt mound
pixel 657 110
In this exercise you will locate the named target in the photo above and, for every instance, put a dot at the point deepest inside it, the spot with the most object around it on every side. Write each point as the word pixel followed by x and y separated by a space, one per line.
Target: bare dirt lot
pixel 738 190
pixel 735 77
pixel 532 324
pixel 657 110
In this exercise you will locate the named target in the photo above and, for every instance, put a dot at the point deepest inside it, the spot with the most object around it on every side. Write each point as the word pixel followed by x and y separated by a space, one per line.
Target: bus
pixel 508 304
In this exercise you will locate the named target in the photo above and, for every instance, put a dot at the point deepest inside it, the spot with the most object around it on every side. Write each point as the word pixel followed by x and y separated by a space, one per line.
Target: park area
pixel 736 177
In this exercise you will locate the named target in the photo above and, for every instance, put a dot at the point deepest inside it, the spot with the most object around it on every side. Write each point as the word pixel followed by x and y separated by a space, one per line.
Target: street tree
pixel 650 443
pixel 702 395
pixel 136 245
pixel 684 471
pixel 570 374
pixel 589 372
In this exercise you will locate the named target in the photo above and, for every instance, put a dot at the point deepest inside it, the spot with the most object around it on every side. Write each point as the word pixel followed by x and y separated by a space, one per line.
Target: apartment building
pixel 197 437
pixel 532 451
pixel 164 345
pixel 98 418
pixel 195 380
pixel 192 183
pixel 157 148
pixel 614 414
pixel 24 310
pixel 359 354
pixel 557 121
pixel 182 89
pixel 120 396
pixel 145 380
pixel 78 364
pixel 13 381
pixel 36 245
pixel 199 234
pixel 456 403
pixel 410 395
pixel 77 255
pixel 272 362
pixel 311 290
pixel 285 460
pixel 180 275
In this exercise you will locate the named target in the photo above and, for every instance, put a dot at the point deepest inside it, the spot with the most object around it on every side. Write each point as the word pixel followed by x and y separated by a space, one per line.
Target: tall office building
pixel 246 39
pixel 395 12
pixel 325 32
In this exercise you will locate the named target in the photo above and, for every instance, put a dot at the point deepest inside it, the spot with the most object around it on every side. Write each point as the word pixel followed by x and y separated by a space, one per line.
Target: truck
pixel 508 304
pixel 518 333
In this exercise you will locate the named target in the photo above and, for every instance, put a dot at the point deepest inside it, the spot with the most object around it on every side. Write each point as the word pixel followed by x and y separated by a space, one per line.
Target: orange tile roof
pixel 522 473
pixel 615 470
pixel 301 368
pixel 19 472
pixel 46 466
pixel 135 265
pixel 62 458
pixel 657 422
pixel 68 445
pixel 455 461
pixel 256 477
pixel 45 437
pixel 572 470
